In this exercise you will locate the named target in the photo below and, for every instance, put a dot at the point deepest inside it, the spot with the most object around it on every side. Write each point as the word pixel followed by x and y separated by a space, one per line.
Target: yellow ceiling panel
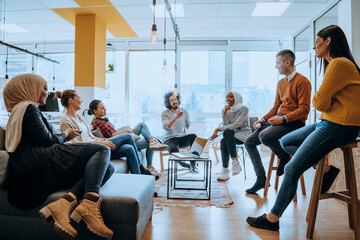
pixel 87 3
pixel 115 23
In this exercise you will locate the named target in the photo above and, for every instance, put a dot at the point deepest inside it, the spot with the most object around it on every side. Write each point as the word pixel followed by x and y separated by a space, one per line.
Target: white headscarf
pixel 238 102
pixel 18 93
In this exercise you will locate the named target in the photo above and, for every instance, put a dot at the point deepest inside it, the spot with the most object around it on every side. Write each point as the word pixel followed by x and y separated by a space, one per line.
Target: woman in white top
pixel 120 145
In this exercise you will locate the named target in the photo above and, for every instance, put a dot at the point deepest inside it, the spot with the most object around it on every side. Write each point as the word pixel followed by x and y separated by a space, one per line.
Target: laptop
pixel 195 150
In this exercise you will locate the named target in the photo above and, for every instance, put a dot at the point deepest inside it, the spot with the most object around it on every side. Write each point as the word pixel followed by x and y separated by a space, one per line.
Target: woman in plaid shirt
pixel 97 108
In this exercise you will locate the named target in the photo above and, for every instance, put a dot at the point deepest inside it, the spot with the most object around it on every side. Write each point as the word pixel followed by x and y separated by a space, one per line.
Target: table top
pixel 204 157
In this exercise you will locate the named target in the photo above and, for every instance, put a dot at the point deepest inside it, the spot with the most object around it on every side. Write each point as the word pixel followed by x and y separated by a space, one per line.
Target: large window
pixel 115 94
pixel 63 72
pixel 254 76
pixel 147 86
pixel 203 87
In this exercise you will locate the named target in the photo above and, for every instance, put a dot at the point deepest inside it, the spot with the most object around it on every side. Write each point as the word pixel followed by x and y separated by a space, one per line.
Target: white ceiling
pixel 203 19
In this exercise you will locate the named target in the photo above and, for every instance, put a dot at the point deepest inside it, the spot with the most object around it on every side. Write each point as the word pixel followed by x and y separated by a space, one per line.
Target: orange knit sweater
pixel 292 99
pixel 338 97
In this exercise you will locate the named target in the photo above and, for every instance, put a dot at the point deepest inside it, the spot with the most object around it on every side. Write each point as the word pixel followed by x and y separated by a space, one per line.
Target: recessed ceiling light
pixel 274 9
pixel 12 28
pixel 159 10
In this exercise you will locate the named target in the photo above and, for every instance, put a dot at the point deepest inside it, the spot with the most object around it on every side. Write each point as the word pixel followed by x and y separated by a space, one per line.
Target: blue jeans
pixel 143 143
pixel 125 147
pixel 309 145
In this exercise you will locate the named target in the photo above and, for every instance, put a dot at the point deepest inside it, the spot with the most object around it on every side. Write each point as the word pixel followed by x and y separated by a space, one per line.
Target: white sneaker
pixel 156 146
pixel 224 174
pixel 236 168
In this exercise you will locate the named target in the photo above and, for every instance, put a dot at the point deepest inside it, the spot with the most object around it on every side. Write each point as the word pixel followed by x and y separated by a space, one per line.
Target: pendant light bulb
pixel 154 37
pixel 175 93
pixel 6 79
pixel 164 67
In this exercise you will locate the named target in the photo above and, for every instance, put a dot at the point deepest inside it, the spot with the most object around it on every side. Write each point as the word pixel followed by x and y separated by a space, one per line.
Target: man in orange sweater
pixel 290 111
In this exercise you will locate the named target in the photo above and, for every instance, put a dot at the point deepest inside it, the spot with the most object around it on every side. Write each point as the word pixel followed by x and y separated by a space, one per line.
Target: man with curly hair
pixel 175 122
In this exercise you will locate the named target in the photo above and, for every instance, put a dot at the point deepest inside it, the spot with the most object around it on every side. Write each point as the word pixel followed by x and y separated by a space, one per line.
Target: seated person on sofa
pixel 97 108
pixel 120 145
pixel 175 122
pixel 41 164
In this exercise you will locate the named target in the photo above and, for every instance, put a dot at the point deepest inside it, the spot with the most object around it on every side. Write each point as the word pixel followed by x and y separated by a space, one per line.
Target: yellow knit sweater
pixel 338 97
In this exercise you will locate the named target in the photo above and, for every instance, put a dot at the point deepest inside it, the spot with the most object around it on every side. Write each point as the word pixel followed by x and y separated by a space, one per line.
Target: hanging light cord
pixel 154 4
pixel 165 33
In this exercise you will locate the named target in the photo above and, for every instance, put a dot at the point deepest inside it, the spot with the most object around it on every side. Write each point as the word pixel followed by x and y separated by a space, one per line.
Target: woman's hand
pixel 215 134
pixel 70 133
pixel 226 108
pixel 108 143
pixel 130 131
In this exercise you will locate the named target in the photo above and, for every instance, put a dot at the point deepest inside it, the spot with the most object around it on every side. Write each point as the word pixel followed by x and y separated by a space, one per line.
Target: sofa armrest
pixel 4 160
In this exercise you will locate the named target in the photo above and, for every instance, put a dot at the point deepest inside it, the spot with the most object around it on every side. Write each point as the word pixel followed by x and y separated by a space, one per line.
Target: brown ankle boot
pixel 60 211
pixel 89 211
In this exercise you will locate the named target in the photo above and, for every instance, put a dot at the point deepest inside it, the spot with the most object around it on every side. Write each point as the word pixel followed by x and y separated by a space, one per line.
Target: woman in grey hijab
pixel 235 129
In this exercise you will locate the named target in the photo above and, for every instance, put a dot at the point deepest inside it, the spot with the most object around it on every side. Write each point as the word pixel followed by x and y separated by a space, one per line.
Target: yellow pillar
pixel 90 47
pixel 90 53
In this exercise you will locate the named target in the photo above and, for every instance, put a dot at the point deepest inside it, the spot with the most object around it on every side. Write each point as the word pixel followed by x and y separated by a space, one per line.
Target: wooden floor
pixel 230 223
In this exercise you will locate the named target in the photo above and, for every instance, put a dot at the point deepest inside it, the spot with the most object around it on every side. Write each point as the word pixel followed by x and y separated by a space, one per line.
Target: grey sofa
pixel 127 207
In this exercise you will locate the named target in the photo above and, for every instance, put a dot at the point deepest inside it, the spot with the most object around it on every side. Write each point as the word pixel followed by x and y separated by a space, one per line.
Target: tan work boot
pixel 60 211
pixel 89 211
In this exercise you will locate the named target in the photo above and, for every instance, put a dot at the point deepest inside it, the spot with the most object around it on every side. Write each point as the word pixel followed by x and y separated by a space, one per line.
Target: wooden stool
pixel 349 195
pixel 272 168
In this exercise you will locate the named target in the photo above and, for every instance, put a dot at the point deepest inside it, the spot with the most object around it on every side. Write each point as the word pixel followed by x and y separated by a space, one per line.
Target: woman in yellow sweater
pixel 337 99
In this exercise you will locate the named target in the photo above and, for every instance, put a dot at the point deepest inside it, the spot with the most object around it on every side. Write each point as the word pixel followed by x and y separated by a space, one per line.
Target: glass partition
pixel 254 76
pixel 303 53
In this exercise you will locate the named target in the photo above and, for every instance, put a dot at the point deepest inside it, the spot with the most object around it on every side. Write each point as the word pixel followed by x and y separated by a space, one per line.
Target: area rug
pixel 220 196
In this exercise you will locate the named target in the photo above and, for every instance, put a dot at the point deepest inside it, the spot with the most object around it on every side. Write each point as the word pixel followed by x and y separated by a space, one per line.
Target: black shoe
pixel 280 169
pixel 263 223
pixel 329 179
pixel 184 164
pixel 194 167
pixel 145 171
pixel 156 194
pixel 259 184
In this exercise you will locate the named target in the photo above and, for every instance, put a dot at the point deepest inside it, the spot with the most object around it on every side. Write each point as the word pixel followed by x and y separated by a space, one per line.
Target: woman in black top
pixel 40 163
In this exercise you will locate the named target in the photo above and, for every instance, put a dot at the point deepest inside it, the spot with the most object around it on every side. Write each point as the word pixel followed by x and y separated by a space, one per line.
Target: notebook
pixel 195 150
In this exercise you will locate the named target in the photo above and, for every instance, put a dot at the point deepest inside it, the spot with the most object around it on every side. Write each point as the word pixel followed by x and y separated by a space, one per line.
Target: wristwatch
pixel 284 119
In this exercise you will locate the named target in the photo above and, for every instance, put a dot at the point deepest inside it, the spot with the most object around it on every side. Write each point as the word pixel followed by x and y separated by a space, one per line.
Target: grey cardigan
pixel 239 122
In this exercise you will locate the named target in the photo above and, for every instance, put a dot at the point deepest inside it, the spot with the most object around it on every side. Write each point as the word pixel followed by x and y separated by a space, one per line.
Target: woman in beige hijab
pixel 40 164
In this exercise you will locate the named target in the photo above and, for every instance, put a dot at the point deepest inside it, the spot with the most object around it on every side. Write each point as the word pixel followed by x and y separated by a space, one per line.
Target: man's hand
pixel 70 133
pixel 276 120
pixel 179 114
pixel 261 121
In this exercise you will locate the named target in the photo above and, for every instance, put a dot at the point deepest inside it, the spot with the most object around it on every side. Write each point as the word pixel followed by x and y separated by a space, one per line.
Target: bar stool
pixel 349 195
pixel 272 168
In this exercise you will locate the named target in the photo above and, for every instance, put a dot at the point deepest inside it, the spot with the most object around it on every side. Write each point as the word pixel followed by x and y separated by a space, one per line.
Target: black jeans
pixel 180 142
pixel 228 147
pixel 269 135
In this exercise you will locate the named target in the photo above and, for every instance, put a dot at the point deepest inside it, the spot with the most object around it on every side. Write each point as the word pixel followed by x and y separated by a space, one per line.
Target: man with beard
pixel 175 122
